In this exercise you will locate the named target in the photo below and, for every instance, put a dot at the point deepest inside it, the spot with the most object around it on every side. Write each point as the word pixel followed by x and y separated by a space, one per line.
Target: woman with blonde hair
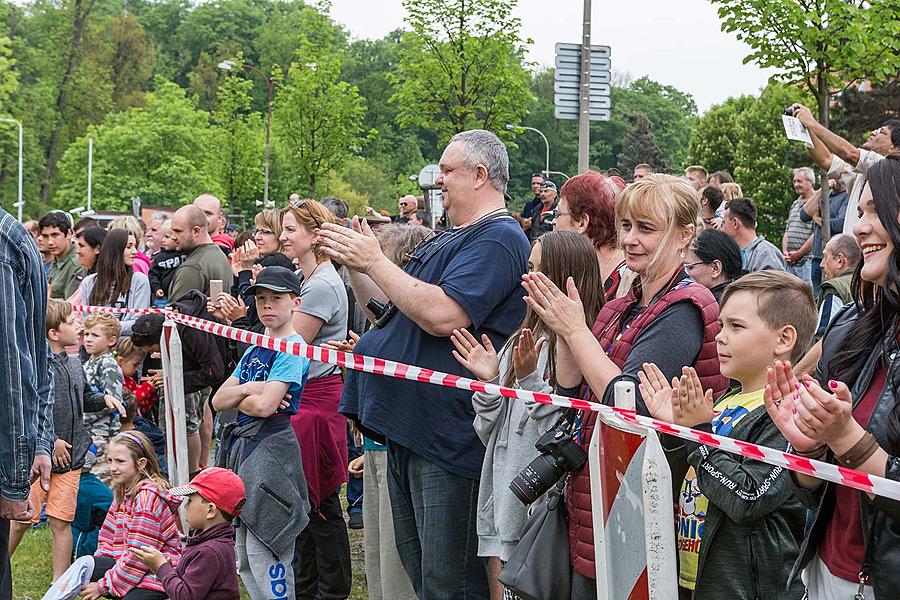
pixel 324 546
pixel 665 317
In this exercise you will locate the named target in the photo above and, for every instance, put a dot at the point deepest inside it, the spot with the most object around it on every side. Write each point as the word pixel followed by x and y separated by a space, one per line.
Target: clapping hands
pixel 682 402
pixel 481 359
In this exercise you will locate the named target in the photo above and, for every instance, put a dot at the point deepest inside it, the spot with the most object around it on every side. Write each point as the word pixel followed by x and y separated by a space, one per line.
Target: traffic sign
pixel 567 82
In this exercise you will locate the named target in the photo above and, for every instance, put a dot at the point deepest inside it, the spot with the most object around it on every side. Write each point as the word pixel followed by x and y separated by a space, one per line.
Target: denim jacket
pixel 26 412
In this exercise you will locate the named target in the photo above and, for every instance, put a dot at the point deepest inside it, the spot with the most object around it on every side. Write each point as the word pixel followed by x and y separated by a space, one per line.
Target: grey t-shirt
pixel 324 296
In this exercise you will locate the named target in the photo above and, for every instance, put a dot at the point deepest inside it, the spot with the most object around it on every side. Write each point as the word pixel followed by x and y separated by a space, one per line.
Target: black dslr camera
pixel 559 454
pixel 789 111
pixel 382 312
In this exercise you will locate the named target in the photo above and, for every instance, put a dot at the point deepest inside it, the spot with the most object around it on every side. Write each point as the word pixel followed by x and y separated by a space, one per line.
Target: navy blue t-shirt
pixel 482 272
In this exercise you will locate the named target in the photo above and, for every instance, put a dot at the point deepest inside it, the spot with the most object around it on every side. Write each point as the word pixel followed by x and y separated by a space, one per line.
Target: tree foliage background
pixel 353 118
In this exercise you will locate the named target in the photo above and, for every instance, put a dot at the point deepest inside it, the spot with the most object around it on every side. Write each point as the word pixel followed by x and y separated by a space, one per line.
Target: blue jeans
pixel 434 528
pixel 354 484
pixel 803 271
pixel 816 276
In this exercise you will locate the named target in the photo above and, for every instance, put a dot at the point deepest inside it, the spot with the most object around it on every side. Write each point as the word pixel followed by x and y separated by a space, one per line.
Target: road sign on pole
pixel 567 85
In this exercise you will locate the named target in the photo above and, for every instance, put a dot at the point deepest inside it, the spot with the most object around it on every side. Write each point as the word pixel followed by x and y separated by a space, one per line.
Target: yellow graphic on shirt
pixel 692 504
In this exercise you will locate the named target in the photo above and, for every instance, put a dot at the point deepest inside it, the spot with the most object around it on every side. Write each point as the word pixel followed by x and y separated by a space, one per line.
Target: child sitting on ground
pixel 260 446
pixel 142 514
pixel 70 396
pixel 165 262
pixel 206 567
pixel 739 524
pixel 132 421
pixel 129 357
pixel 102 372
pixel 94 499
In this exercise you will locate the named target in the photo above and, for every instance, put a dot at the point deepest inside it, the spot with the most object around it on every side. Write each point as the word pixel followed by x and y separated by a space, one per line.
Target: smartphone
pixel 215 288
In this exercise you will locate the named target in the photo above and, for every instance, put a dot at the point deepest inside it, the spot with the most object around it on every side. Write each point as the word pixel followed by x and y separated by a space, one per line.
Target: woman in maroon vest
pixel 665 317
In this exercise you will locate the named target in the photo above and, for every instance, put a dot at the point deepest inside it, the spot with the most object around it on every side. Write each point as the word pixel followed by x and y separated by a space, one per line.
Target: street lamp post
pixel 512 127
pixel 228 65
pixel 19 197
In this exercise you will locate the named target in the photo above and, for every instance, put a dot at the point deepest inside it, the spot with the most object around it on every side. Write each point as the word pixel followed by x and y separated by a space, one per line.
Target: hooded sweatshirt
pixel 144 517
pixel 206 568
pixel 71 397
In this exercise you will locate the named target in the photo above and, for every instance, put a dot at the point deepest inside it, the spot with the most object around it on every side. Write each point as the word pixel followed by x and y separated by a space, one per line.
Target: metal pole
pixel 176 424
pixel 584 107
pixel 90 170
pixel 546 146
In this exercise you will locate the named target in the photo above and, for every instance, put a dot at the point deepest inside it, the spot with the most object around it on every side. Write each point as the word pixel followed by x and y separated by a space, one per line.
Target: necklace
pixel 306 278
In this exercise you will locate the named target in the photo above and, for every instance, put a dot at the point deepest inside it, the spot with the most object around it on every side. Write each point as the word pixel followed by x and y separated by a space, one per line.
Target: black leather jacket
pixel 885 572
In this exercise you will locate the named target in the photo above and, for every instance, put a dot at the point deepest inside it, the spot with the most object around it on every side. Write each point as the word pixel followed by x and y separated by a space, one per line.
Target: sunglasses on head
pixel 305 202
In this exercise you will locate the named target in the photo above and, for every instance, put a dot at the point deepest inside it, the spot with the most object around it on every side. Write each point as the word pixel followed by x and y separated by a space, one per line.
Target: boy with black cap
pixel 260 445
pixel 206 567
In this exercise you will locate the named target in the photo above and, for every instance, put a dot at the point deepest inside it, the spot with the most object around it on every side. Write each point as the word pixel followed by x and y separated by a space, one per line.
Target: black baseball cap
pixel 277 279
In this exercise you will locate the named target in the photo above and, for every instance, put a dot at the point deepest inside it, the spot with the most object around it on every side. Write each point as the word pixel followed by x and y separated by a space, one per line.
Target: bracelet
pixel 817 453
pixel 860 452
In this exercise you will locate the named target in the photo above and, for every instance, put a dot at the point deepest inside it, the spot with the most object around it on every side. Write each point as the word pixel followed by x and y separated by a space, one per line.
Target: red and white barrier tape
pixel 859 480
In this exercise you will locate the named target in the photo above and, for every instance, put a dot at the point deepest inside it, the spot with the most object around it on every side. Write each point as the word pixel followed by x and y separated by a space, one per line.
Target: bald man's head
pixel 190 228
pixel 407 205
pixel 211 207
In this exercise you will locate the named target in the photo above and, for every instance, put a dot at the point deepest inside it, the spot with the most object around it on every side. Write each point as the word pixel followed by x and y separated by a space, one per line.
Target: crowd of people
pixel 663 282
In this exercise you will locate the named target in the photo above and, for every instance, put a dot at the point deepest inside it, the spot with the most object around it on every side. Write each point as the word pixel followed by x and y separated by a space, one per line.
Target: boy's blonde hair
pixel 125 349
pixel 107 323
pixel 58 312
pixel 781 299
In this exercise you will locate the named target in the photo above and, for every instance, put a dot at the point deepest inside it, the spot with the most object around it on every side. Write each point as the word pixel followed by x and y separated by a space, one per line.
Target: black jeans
pixel 102 564
pixel 323 569
pixel 5 568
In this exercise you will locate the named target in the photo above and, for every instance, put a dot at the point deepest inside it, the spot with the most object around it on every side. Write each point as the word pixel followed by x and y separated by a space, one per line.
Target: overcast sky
pixel 676 42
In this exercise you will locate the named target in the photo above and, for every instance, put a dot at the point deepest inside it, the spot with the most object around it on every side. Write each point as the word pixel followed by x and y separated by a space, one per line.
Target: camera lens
pixel 789 111
pixel 535 479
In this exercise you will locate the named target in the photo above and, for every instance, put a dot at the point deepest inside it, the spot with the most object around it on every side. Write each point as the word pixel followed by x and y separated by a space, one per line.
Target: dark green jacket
pixel 753 524
pixel 839 285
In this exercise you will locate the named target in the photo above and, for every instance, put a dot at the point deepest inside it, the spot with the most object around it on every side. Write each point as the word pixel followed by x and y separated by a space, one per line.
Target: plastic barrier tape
pixel 859 480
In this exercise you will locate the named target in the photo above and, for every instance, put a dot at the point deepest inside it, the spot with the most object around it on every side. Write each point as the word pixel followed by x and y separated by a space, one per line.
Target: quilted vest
pixel 606 329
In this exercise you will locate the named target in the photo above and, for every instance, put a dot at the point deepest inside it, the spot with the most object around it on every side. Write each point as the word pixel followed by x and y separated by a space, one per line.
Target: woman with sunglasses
pixel 324 546
pixel 714 261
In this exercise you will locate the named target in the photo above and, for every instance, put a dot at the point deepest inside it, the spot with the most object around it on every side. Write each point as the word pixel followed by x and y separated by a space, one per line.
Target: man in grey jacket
pixel 757 254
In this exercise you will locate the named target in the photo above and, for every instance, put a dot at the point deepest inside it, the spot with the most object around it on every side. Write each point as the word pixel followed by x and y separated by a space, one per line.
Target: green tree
pixel 462 66
pixel 827 45
pixel 764 157
pixel 639 146
pixel 9 79
pixel 161 152
pixel 129 57
pixel 715 135
pixel 239 145
pixel 318 119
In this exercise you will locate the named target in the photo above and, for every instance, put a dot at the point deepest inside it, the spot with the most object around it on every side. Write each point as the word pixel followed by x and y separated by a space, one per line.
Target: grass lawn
pixel 32 571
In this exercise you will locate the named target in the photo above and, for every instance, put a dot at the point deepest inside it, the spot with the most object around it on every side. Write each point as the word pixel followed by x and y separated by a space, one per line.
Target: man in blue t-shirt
pixel 468 276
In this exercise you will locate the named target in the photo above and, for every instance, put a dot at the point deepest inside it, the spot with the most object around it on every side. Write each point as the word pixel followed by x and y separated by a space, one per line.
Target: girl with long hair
pixel 509 428
pixel 87 247
pixel 320 428
pixel 665 317
pixel 115 283
pixel 142 514
pixel 848 414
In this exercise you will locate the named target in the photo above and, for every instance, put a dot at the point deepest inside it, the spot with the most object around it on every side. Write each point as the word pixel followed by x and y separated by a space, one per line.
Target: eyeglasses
pixel 556 213
pixel 881 130
pixel 263 232
pixel 689 266
pixel 304 202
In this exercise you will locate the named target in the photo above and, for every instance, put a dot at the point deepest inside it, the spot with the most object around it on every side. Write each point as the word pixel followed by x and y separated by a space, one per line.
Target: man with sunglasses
pixel 466 277
pixel 831 151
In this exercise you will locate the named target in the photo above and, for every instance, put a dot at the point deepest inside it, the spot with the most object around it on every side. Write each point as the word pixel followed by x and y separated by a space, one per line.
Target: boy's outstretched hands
pixel 691 406
pixel 656 392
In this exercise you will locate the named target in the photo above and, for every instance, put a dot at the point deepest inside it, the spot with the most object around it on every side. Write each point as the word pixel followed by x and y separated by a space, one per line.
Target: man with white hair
pixel 797 240
pixel 465 278
pixel 153 236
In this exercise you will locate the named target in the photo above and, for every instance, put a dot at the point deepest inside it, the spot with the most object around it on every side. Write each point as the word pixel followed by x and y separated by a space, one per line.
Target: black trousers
pixel 323 569
pixel 5 568
pixel 102 564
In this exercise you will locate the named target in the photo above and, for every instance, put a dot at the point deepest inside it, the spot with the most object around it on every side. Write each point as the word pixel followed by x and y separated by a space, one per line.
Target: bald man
pixel 204 262
pixel 407 206
pixel 212 209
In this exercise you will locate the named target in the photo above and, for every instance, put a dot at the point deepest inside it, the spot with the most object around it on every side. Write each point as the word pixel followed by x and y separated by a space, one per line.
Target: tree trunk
pixel 823 98
pixel 81 12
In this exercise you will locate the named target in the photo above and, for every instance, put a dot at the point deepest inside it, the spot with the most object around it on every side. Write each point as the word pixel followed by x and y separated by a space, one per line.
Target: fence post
pixel 632 510
pixel 176 424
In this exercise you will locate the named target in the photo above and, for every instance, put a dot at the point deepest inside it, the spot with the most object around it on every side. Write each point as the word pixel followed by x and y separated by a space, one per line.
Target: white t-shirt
pixel 839 167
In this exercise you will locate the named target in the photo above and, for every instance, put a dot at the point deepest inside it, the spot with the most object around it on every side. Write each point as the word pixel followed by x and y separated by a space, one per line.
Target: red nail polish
pixel 807 384
pixel 794 411
pixel 795 397
pixel 797 385
pixel 832 384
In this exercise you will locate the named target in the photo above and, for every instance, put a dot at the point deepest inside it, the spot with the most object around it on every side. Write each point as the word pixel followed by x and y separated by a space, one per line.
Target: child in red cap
pixel 206 568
